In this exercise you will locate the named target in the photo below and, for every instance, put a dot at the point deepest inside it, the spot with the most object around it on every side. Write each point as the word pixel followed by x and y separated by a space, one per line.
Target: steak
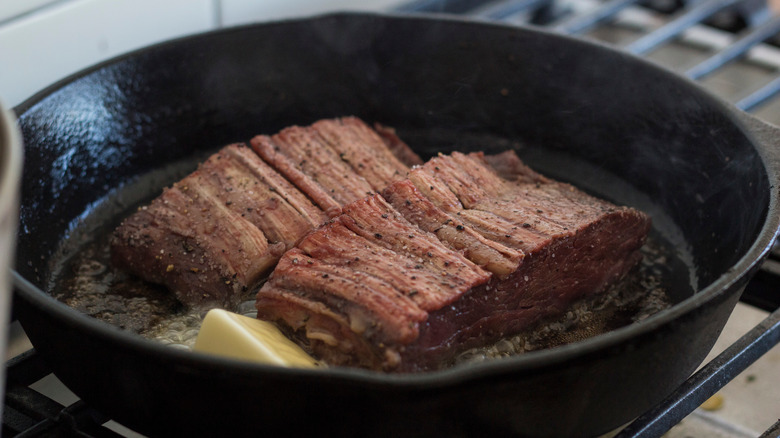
pixel 216 233
pixel 204 246
pixel 335 162
pixel 363 284
pixel 459 255
pixel 379 265
pixel 398 147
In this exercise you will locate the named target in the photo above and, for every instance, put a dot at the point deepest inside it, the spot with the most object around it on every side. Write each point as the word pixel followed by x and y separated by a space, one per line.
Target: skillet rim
pixel 527 362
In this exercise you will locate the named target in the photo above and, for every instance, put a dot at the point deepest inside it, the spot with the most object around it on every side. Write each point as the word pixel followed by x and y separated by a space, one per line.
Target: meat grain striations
pixel 458 255
pixel 213 235
pixel 382 261
pixel 335 162
pixel 363 284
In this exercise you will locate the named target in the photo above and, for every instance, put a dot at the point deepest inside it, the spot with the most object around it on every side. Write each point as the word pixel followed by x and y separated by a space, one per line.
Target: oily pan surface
pixel 86 281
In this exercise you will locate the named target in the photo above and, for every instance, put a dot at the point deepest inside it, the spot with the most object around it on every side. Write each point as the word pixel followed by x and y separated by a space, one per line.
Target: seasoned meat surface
pixel 378 264
pixel 217 232
pixel 495 257
pixel 540 245
pixel 245 184
pixel 196 242
pixel 398 147
pixel 335 162
pixel 362 284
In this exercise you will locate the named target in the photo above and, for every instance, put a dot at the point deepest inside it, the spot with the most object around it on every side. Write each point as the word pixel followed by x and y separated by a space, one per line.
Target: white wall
pixel 42 41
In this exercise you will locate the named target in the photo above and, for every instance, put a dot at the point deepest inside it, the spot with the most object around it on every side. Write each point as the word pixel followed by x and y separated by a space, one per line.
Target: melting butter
pixel 236 336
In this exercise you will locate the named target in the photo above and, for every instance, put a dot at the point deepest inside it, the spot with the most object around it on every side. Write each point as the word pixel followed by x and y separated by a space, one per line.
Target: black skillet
pixel 599 118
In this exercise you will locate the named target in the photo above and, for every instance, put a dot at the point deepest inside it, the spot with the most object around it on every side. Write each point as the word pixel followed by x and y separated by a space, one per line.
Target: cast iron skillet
pixel 579 111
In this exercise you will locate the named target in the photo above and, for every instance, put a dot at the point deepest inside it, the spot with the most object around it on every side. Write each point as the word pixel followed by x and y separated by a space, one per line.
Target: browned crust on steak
pixel 363 149
pixel 521 213
pixel 242 207
pixel 398 147
pixel 550 279
pixel 509 166
pixel 546 244
pixel 319 164
pixel 190 241
pixel 334 161
pixel 246 185
pixel 377 275
pixel 495 257
pixel 459 251
pixel 265 147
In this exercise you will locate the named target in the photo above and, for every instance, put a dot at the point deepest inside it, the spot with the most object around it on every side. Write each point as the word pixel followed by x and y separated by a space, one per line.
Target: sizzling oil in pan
pixel 83 278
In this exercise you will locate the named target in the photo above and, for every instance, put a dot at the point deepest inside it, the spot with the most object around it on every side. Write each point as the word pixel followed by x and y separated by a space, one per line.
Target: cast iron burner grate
pixel 708 380
pixel 751 23
pixel 27 413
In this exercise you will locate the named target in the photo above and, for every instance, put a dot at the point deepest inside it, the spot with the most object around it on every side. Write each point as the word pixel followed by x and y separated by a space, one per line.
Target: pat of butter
pixel 232 335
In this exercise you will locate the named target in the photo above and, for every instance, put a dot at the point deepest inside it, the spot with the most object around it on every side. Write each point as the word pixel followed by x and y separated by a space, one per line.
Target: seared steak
pixel 574 245
pixel 362 285
pixel 215 233
pixel 452 231
pixel 472 256
pixel 334 162
pixel 201 242
pixel 398 147
pixel 414 265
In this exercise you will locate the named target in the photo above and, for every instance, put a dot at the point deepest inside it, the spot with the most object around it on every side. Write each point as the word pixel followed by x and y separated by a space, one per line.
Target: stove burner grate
pixel 28 413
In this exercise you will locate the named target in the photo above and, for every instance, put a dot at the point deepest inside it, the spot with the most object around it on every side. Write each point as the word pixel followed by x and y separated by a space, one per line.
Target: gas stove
pixel 731 48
